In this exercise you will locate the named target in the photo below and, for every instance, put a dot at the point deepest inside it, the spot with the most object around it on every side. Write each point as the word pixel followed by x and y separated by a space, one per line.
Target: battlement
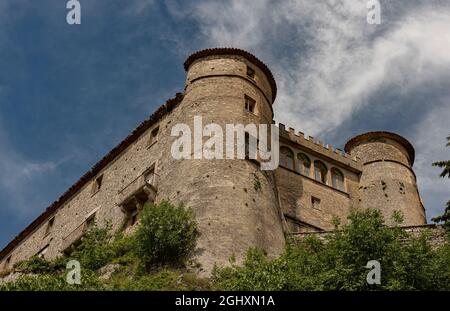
pixel 236 204
pixel 318 146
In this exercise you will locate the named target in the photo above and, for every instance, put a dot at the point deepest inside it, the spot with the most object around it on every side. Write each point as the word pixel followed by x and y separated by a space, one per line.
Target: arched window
pixel 303 164
pixel 320 172
pixel 337 179
pixel 286 158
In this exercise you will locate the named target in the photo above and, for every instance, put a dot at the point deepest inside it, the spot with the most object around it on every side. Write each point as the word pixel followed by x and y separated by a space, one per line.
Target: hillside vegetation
pixel 158 256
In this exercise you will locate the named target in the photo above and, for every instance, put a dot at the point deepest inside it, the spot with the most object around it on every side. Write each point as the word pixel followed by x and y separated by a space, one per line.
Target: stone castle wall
pixel 388 183
pixel 71 217
pixel 232 213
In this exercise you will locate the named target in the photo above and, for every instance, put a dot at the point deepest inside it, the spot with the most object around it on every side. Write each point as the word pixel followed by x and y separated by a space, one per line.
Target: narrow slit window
pixel 42 252
pixel 132 216
pixel 154 135
pixel 50 223
pixel 8 261
pixel 247 146
pixel 97 184
pixel 315 202
pixel 90 222
pixel 250 72
pixel 250 104
pixel 149 176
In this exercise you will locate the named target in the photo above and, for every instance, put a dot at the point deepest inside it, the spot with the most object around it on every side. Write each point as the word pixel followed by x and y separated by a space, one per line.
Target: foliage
pixel 165 279
pixel 336 262
pixel 122 248
pixel 339 262
pixel 95 250
pixel 53 282
pixel 41 266
pixel 445 165
pixel 166 234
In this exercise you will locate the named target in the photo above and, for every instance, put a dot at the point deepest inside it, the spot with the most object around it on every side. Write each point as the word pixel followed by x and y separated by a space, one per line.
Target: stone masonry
pixel 313 184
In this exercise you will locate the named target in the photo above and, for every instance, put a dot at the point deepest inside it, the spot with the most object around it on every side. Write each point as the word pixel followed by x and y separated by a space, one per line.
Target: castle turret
pixel 388 182
pixel 234 201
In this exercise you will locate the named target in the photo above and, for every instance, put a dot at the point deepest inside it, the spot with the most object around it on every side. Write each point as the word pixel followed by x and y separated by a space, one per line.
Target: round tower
pixel 235 203
pixel 388 182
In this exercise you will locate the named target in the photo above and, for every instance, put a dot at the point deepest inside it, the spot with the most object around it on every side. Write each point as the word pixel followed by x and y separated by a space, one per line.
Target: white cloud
pixel 430 144
pixel 137 7
pixel 234 23
pixel 335 61
pixel 18 177
pixel 341 60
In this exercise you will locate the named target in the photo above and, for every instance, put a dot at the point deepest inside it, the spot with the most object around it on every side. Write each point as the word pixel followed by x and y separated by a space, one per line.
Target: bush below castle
pixel 158 256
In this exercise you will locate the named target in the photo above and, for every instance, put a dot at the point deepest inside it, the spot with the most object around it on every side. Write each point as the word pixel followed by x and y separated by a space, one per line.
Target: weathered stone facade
pixel 436 234
pixel 314 183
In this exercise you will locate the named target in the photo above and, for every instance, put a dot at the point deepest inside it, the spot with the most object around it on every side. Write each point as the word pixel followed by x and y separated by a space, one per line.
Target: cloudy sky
pixel 68 94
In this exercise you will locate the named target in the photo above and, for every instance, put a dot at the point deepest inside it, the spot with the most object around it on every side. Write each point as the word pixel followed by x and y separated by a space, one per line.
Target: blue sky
pixel 68 94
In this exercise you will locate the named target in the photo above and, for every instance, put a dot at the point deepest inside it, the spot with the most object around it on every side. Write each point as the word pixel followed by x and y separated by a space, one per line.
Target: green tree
pixel 445 165
pixel 54 282
pixel 95 249
pixel 167 234
pixel 339 261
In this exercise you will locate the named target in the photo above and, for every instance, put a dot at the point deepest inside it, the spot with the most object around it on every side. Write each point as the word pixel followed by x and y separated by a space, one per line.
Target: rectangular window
pixel 250 72
pixel 41 253
pixel 132 208
pixel 251 147
pixel 97 184
pixel 132 216
pixel 8 262
pixel 250 104
pixel 50 223
pixel 247 146
pixel 154 135
pixel 149 176
pixel 315 202
pixel 90 222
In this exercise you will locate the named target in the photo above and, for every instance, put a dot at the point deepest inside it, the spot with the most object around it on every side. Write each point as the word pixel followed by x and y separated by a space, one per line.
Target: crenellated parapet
pixel 319 147
pixel 236 204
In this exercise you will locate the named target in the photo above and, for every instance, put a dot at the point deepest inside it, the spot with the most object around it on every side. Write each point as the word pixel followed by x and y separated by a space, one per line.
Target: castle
pixel 237 205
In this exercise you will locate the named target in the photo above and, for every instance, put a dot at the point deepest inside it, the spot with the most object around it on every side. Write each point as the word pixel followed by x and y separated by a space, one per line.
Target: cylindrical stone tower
pixel 388 182
pixel 235 203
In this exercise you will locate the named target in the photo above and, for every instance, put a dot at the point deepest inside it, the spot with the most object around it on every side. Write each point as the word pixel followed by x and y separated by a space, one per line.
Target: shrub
pixel 53 282
pixel 339 262
pixel 95 249
pixel 122 248
pixel 166 234
pixel 41 266
pixel 257 273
